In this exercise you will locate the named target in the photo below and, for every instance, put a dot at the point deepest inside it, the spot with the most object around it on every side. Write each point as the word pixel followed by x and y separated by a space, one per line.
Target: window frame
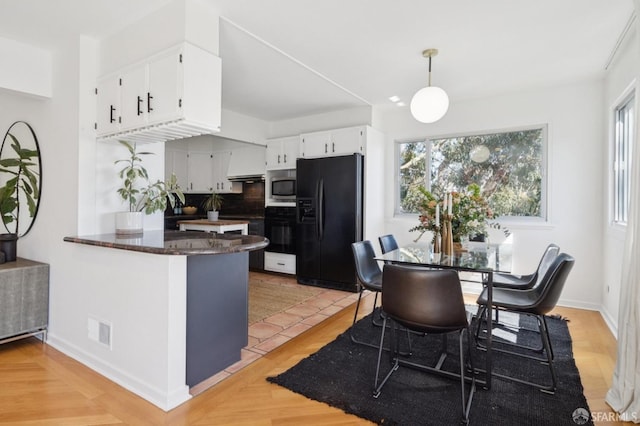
pixel 543 219
pixel 628 98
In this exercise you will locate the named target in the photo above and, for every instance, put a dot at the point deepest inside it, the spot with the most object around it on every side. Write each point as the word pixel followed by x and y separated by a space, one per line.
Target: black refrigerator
pixel 328 219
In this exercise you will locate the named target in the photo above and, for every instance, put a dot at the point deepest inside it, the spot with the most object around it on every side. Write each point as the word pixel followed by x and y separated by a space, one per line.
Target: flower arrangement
pixel 469 211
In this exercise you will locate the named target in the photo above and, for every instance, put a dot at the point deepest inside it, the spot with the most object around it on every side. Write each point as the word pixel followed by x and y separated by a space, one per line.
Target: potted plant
pixel 142 195
pixel 212 205
pixel 20 174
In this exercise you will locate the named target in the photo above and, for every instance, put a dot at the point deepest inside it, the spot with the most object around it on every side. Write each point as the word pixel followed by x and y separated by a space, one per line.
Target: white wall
pixel 620 80
pixel 327 121
pixel 575 123
pixel 25 68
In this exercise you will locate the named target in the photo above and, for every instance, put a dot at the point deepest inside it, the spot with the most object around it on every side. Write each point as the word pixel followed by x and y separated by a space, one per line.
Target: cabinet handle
pixel 280 264
pixel 278 158
pixel 139 104
pixel 285 158
pixel 111 111
pixel 325 148
pixel 222 186
pixel 333 147
pixel 149 97
pixel 191 185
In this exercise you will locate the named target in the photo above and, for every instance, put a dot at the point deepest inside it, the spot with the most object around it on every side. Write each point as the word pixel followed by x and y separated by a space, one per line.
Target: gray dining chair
pixel 536 301
pixel 425 301
pixel 523 282
pixel 387 243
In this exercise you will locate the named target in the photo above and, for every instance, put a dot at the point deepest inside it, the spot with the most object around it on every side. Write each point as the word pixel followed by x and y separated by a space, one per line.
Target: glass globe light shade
pixel 429 104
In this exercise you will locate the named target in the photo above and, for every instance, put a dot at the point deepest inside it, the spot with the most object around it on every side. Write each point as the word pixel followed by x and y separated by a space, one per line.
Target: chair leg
pixel 354 339
pixel 466 401
pixel 546 341
pixel 394 367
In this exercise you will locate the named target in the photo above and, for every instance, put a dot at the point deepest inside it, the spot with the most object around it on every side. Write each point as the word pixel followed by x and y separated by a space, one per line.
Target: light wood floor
pixel 41 386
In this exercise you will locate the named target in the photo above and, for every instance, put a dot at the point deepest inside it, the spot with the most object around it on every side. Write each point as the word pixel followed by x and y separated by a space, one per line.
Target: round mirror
pixel 20 178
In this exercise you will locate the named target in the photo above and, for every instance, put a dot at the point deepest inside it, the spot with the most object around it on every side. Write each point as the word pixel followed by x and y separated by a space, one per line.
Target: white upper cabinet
pixel 220 169
pixel 174 94
pixel 282 153
pixel 330 143
pixel 108 114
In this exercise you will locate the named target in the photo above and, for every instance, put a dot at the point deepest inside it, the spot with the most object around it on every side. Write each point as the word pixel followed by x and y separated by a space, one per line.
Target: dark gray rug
pixel 341 374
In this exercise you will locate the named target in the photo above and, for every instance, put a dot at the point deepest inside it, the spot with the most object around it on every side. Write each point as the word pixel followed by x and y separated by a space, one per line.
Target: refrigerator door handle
pixel 320 209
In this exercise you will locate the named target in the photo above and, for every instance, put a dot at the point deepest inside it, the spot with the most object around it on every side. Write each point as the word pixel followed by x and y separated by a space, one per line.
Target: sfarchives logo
pixel 580 416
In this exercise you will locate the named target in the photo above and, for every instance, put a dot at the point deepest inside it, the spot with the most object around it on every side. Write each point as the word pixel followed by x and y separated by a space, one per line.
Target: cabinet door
pixel 200 172
pixel 290 151
pixel 164 93
pixel 274 154
pixel 347 141
pixel 176 163
pixel 220 168
pixel 108 105
pixel 133 98
pixel 316 144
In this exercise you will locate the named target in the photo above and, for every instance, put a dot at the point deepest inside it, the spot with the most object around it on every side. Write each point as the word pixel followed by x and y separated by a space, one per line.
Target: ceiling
pixel 290 58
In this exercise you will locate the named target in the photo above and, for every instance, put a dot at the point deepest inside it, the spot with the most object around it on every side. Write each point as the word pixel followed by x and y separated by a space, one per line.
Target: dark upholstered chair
pixel 369 278
pixel 523 282
pixel 536 301
pixel 425 301
pixel 388 243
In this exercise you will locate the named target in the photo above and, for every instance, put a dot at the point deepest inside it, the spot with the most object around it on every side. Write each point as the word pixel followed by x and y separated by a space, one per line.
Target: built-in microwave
pixel 283 188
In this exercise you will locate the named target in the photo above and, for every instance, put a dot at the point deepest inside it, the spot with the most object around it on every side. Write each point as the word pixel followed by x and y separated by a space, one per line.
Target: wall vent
pixel 99 331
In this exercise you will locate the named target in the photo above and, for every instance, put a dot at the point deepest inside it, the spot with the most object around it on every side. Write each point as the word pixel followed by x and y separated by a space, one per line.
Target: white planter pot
pixel 129 223
pixel 212 215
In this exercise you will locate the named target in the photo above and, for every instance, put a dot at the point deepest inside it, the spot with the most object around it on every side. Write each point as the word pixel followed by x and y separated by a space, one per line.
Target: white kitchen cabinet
pixel 282 153
pixel 207 171
pixel 334 142
pixel 221 183
pixel 175 162
pixel 172 95
pixel 200 171
pixel 108 110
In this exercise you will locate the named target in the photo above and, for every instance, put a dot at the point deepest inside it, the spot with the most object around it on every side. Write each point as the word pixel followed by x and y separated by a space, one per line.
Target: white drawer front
pixel 279 262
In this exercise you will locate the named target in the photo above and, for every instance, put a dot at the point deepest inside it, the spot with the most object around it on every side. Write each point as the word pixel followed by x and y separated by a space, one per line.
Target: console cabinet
pixel 24 299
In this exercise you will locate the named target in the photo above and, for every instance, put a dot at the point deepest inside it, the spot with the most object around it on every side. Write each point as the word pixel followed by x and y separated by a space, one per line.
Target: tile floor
pixel 273 331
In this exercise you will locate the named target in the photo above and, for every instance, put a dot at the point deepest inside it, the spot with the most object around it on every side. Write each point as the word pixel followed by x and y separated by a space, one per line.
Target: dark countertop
pixel 175 242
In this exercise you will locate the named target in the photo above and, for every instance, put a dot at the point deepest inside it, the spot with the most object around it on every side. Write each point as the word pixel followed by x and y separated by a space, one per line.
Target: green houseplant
pixel 20 180
pixel 212 205
pixel 140 194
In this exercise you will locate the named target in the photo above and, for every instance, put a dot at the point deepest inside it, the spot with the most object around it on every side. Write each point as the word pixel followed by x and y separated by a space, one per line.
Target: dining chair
pixel 369 278
pixel 388 243
pixel 523 282
pixel 536 301
pixel 426 301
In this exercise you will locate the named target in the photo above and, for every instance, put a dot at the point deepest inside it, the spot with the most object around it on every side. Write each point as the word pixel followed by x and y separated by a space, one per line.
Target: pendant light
pixel 430 103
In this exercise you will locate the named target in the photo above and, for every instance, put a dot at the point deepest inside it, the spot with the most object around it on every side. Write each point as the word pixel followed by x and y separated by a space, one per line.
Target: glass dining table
pixel 479 260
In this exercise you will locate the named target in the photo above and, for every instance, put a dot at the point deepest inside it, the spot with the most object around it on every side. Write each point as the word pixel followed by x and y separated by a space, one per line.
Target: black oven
pixel 280 229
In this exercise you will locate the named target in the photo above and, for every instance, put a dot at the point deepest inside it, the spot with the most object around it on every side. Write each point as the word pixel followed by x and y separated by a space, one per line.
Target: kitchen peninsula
pixel 174 306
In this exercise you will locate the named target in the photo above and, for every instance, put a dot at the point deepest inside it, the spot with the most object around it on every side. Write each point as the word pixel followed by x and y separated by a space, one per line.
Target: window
pixel 508 167
pixel 622 159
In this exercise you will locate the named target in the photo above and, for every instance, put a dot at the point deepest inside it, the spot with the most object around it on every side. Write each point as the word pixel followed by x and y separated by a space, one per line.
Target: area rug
pixel 342 373
pixel 269 297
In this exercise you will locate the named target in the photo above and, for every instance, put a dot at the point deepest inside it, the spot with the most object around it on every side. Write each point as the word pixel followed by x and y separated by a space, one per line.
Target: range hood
pixel 247 164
